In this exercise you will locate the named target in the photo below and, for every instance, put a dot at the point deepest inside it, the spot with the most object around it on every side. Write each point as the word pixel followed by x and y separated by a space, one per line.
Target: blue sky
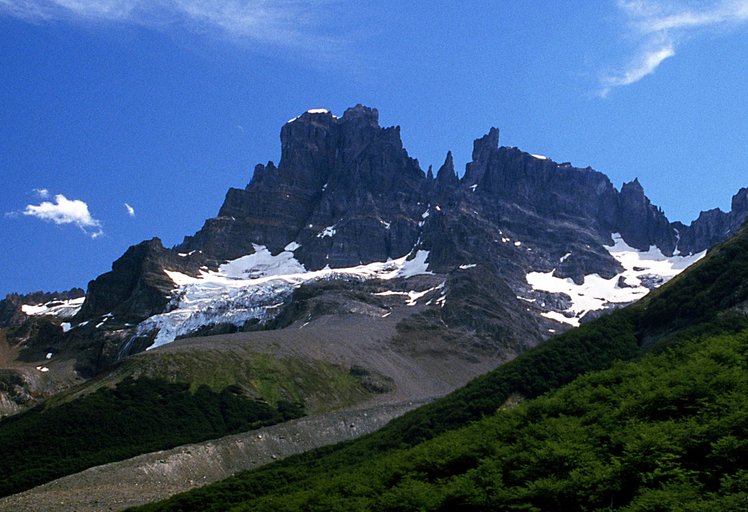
pixel 121 120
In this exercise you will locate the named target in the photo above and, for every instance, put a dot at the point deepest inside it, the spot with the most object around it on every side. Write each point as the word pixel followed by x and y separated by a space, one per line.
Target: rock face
pixel 713 226
pixel 346 193
pixel 345 190
pixel 137 286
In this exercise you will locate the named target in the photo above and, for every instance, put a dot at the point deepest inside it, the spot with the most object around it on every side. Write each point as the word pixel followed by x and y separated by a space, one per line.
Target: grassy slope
pixel 322 386
pixel 690 312
pixel 176 398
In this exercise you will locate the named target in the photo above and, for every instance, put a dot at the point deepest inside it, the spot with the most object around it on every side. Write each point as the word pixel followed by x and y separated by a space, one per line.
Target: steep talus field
pixel 562 427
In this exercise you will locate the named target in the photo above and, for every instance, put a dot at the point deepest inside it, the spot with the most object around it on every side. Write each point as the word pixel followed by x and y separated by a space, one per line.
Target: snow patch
pixel 328 231
pixel 262 263
pixel 643 270
pixel 292 247
pixel 416 266
pixel 564 257
pixel 473 187
pixel 59 308
pixel 470 265
pixel 48 356
pixel 540 157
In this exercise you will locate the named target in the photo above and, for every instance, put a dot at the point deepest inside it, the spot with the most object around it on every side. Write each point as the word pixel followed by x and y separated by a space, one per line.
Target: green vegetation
pixel 664 431
pixel 137 416
pixel 322 386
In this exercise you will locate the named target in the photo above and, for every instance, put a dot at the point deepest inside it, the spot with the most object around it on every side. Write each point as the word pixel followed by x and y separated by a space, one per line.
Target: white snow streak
pixel 58 308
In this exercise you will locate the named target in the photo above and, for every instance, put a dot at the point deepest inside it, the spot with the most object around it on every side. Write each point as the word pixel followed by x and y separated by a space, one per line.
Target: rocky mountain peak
pixel 446 177
pixel 361 116
pixel 740 201
pixel 633 187
pixel 486 144
pixel 482 150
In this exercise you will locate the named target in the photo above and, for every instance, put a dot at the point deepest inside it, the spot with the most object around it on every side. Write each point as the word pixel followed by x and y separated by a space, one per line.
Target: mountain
pixel 348 224
pixel 565 426
pixel 347 279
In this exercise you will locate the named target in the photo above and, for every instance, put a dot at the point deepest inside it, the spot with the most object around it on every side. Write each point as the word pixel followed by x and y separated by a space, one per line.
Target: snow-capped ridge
pixel 255 287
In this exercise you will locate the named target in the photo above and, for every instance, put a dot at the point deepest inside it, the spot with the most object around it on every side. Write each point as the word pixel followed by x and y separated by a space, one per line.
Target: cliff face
pixel 345 190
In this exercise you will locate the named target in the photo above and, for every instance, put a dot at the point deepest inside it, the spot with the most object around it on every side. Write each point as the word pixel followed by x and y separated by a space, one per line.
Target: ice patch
pixel 642 270
pixel 262 263
pixel 292 247
pixel 58 308
pixel 317 111
pixel 416 266
pixel 328 231
pixel 255 287
pixel 412 295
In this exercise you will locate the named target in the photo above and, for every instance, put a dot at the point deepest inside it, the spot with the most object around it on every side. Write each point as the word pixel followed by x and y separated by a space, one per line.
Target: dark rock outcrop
pixel 713 226
pixel 137 286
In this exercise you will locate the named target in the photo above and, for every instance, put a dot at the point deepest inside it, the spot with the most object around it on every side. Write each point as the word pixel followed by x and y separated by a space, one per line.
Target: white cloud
pixel 66 211
pixel 292 24
pixel 660 27
pixel 130 210
pixel 43 193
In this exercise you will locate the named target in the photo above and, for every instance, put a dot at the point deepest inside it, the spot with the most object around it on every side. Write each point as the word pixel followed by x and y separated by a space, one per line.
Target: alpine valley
pixel 340 289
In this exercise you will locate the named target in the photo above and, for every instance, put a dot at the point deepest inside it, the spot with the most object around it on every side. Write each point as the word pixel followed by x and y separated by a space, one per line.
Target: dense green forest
pixel 663 431
pixel 137 416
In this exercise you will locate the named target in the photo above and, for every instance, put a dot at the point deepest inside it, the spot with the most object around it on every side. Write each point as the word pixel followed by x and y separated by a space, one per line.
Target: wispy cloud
pixel 66 211
pixel 43 193
pixel 294 24
pixel 661 27
pixel 130 210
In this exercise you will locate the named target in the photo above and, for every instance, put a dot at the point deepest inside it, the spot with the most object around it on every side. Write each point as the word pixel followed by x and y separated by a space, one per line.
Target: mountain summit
pixel 348 225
